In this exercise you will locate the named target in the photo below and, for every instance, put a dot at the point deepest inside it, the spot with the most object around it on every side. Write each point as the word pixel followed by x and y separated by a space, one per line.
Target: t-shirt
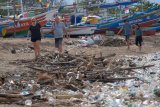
pixel 35 31
pixel 58 29
pixel 127 29
pixel 138 32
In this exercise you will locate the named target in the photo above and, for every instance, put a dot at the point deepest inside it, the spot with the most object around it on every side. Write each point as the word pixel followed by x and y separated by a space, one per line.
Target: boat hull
pixel 22 26
pixel 74 31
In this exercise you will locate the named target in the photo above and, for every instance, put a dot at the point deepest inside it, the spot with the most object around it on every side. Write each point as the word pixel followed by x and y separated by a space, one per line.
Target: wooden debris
pixel 11 95
pixel 69 96
pixel 4 100
pixel 140 67
pixel 102 68
pixel 112 79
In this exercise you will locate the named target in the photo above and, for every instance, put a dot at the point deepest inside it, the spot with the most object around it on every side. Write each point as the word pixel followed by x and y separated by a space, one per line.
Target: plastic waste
pixel 88 41
pixel 51 101
pixel 28 102
pixel 38 95
pixel 156 57
pixel 97 98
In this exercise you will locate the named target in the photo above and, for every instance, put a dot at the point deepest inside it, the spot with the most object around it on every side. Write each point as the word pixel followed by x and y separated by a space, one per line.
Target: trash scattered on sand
pixel 114 41
pixel 84 80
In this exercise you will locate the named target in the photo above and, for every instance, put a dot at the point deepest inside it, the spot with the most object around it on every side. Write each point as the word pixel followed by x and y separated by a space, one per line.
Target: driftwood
pixel 112 79
pixel 69 96
pixel 73 88
pixel 11 96
pixel 45 82
pixel 141 67
pixel 40 69
pixel 90 64
pixel 105 57
pixel 69 62
pixel 4 100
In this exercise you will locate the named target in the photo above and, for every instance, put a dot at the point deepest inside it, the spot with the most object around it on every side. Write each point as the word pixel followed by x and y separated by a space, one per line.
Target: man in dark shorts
pixel 127 28
pixel 139 34
pixel 59 30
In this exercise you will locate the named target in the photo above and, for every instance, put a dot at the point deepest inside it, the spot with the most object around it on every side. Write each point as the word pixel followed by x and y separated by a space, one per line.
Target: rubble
pixel 114 41
pixel 84 80
pixel 91 41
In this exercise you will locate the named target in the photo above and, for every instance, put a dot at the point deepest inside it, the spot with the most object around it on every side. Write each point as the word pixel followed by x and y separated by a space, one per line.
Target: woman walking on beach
pixel 139 34
pixel 35 32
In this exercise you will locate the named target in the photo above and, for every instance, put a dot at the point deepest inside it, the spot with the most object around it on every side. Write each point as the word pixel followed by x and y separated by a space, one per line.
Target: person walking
pixel 138 34
pixel 59 31
pixel 35 32
pixel 127 28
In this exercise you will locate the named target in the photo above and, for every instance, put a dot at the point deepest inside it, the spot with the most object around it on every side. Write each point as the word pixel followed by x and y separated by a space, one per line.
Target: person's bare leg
pixel 140 48
pixel 38 47
pixel 35 49
pixel 128 44
pixel 60 48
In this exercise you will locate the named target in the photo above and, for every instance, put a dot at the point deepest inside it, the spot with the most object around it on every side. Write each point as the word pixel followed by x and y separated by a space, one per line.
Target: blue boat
pixel 144 19
pixel 4 22
pixel 109 5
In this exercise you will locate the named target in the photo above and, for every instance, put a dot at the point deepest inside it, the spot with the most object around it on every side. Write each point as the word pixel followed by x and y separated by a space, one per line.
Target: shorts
pixel 58 42
pixel 127 37
pixel 35 39
pixel 138 40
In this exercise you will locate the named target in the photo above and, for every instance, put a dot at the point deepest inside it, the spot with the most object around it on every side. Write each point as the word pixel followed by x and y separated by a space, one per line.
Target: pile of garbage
pixel 114 41
pixel 91 40
pixel 18 48
pixel 84 80
pixel 28 49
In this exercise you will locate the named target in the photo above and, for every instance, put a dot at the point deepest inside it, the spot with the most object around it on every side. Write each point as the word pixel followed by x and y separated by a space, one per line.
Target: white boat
pixel 78 30
pixel 81 30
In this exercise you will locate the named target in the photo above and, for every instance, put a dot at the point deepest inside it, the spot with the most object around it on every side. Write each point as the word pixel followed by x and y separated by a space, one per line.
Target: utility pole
pixel 14 9
pixel 22 7
pixel 8 9
pixel 142 5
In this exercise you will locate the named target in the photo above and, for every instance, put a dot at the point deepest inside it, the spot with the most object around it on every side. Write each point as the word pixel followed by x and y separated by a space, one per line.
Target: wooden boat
pixel 22 25
pixel 143 19
pixel 74 31
pixel 5 22
pixel 82 30
pixel 151 31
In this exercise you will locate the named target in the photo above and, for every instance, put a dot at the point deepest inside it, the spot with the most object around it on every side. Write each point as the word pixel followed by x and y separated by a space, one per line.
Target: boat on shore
pixel 73 31
pixel 22 25
pixel 5 22
pixel 76 30
pixel 143 19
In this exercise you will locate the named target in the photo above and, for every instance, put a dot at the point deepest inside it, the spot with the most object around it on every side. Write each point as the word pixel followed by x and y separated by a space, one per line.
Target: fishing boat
pixel 5 22
pixel 22 25
pixel 73 31
pixel 143 19
pixel 81 30
pixel 78 29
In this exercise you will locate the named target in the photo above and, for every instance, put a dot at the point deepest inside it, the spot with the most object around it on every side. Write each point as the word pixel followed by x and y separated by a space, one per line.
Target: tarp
pixel 117 4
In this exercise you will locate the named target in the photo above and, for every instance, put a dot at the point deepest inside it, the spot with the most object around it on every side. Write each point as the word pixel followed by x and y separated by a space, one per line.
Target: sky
pixel 155 1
